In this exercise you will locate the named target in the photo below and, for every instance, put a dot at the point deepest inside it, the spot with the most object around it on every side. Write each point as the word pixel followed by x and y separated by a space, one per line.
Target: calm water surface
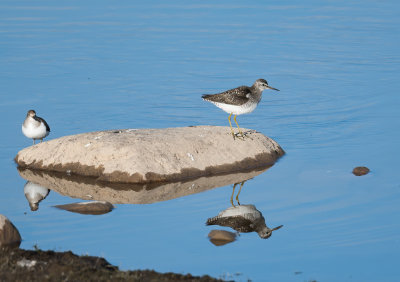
pixel 96 65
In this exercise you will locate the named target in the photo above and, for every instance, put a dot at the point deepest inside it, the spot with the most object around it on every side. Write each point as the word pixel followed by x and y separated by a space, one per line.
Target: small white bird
pixel 35 127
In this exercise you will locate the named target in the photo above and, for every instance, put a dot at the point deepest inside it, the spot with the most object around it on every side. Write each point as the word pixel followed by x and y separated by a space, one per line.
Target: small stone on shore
pixel 9 235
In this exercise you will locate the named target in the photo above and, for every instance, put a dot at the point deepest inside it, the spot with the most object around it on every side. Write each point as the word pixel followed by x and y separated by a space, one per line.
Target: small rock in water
pixel 360 170
pixel 94 207
pixel 221 237
pixel 9 235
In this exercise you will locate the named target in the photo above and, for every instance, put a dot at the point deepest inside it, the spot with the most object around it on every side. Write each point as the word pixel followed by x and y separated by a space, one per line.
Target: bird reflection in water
pixel 35 193
pixel 242 218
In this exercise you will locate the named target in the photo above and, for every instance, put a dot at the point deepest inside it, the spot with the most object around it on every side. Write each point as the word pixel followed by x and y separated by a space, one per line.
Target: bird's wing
pixel 42 120
pixel 238 223
pixel 237 96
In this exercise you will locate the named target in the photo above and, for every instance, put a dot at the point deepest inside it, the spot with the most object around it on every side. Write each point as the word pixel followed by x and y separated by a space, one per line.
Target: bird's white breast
pixel 35 192
pixel 237 110
pixel 247 211
pixel 35 132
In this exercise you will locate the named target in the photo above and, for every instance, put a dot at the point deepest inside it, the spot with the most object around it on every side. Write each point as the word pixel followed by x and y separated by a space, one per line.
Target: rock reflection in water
pixel 221 237
pixel 35 193
pixel 87 188
pixel 243 218
pixel 93 208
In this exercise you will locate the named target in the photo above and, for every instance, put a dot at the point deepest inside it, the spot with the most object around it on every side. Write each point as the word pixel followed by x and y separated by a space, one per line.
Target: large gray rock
pixel 152 155
pixel 9 235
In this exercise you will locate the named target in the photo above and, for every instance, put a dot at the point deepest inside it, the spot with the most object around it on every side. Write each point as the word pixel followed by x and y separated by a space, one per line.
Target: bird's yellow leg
pixel 233 192
pixel 240 131
pixel 240 189
pixel 229 119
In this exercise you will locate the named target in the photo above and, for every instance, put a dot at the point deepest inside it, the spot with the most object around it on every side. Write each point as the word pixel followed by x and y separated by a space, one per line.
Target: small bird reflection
pixel 35 193
pixel 243 218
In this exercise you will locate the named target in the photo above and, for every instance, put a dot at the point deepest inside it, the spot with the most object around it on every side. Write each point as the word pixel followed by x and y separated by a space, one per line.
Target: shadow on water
pixel 87 188
pixel 242 218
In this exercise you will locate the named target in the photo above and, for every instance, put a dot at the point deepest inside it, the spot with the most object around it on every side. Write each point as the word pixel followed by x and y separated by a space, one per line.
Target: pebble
pixel 360 170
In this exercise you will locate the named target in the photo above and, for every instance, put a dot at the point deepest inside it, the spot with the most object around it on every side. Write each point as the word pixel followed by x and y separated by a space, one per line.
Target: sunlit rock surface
pixel 90 188
pixel 152 155
pixel 93 207
pixel 9 235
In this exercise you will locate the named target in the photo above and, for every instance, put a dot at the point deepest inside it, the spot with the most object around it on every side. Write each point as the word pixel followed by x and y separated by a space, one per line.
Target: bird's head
pixel 266 232
pixel 34 206
pixel 31 113
pixel 262 84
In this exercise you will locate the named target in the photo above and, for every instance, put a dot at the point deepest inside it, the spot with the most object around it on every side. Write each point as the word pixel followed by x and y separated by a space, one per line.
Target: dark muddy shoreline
pixel 37 265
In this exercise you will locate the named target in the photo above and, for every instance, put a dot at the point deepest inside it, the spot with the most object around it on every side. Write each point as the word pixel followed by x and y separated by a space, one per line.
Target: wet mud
pixel 38 265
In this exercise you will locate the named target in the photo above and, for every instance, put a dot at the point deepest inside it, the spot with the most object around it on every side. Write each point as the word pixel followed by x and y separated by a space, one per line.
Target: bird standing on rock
pixel 240 100
pixel 35 127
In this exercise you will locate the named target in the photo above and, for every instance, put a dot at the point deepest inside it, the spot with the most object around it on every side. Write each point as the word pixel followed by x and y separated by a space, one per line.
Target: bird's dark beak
pixel 276 228
pixel 269 87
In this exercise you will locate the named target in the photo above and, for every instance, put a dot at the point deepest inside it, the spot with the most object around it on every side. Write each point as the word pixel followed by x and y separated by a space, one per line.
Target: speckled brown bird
pixel 240 100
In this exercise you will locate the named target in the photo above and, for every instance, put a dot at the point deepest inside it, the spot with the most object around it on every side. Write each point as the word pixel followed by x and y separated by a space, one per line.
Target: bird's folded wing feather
pixel 237 96
pixel 42 120
pixel 238 223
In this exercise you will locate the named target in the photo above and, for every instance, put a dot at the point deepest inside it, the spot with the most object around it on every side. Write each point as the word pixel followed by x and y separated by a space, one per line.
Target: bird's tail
pixel 212 220
pixel 205 96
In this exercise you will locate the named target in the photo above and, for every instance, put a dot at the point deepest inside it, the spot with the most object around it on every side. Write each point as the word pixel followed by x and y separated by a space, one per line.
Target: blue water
pixel 96 65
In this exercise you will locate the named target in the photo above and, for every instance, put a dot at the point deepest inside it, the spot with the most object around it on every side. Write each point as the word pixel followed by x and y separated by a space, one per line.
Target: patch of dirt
pixel 38 265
